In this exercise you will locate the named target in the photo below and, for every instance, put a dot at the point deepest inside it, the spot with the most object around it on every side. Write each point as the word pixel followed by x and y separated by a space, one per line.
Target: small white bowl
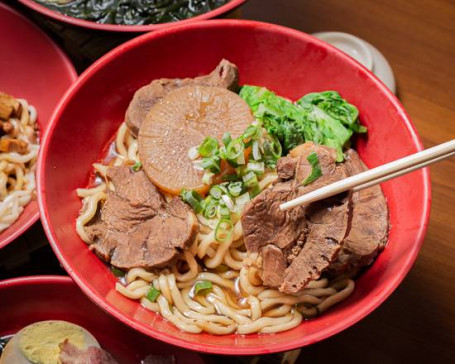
pixel 349 44
pixel 363 52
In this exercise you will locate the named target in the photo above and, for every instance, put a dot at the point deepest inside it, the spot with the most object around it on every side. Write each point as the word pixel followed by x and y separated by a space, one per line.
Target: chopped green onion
pixel 242 200
pixel 207 178
pixel 192 198
pixel 202 287
pixel 272 151
pixel 235 188
pixel 217 191
pixel 153 294
pixel 117 272
pixel 136 166
pixel 225 213
pixel 223 230
pixel 252 132
pixel 233 151
pixel 212 164
pixel 227 200
pixel 255 151
pixel 210 207
pixel 193 153
pixel 315 169
pixel 208 147
pixel 226 138
pixel 256 167
pixel 230 178
pixel 250 180
pixel 240 159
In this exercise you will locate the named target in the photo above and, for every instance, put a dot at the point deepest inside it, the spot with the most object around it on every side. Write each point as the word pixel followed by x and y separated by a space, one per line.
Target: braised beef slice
pixel 224 75
pixel 70 354
pixel 309 237
pixel 370 225
pixel 138 228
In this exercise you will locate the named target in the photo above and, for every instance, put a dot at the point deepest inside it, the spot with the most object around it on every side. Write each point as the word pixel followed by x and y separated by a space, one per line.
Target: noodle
pixel 17 170
pixel 238 301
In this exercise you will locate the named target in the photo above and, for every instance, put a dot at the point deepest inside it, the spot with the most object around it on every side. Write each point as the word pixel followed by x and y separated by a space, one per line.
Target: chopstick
pixel 377 175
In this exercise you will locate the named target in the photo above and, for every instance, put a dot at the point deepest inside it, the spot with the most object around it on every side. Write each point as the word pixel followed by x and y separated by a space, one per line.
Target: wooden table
pixel 417 323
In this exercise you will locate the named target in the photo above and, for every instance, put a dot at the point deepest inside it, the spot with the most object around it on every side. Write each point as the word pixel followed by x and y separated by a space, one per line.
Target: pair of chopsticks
pixel 377 175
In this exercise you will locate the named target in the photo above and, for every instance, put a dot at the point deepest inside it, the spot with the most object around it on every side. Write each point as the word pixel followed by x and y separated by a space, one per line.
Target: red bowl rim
pixel 34 280
pixel 73 75
pixel 212 348
pixel 230 6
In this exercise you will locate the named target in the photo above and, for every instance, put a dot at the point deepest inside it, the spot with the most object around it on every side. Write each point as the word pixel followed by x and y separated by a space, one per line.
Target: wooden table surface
pixel 417 323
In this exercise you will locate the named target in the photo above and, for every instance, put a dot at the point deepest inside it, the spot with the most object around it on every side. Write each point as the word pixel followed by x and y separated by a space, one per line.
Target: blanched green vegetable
pixel 324 118
pixel 333 104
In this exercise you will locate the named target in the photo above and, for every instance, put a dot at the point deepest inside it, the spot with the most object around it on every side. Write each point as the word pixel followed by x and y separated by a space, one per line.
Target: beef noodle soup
pixel 185 208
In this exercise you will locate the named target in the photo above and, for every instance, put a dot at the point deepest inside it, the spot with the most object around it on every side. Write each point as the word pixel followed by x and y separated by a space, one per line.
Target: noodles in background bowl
pixel 19 146
pixel 238 301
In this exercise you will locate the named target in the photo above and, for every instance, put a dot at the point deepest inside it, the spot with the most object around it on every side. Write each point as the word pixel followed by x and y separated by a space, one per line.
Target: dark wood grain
pixel 417 323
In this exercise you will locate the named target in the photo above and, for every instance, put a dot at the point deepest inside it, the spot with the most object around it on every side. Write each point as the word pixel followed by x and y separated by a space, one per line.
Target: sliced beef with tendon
pixel 370 225
pixel 297 245
pixel 138 228
pixel 225 75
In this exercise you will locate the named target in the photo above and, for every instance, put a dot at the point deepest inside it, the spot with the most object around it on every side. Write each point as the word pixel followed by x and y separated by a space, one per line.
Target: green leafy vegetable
pixel 324 118
pixel 315 169
pixel 153 294
pixel 136 166
pixel 202 287
pixel 333 104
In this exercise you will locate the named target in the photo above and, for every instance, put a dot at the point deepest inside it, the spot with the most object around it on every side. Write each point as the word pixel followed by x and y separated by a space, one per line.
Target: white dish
pixel 363 52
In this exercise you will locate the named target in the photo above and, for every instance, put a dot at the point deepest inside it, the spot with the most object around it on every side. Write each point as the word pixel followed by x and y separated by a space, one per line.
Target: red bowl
pixel 34 68
pixel 222 10
pixel 285 60
pixel 31 299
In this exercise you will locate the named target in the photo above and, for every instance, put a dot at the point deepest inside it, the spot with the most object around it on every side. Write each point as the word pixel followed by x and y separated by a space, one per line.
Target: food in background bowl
pixel 53 342
pixel 230 260
pixel 132 12
pixel 291 64
pixel 19 147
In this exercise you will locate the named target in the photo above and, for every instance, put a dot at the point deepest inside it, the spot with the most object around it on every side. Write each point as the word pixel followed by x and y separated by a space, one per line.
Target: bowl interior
pixel 58 298
pixel 284 60
pixel 34 68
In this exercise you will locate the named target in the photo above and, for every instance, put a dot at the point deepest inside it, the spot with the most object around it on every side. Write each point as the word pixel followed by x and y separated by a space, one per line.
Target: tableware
pixel 363 52
pixel 377 175
pixel 34 68
pixel 284 60
pixel 218 12
pixel 27 300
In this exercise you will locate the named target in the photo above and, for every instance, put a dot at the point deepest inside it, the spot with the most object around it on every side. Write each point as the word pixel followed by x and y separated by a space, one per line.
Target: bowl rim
pixel 34 280
pixel 324 333
pixel 228 7
pixel 73 75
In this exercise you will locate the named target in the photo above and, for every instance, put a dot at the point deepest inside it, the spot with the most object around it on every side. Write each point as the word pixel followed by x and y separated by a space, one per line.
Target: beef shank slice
pixel 370 225
pixel 137 227
pixel 309 237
